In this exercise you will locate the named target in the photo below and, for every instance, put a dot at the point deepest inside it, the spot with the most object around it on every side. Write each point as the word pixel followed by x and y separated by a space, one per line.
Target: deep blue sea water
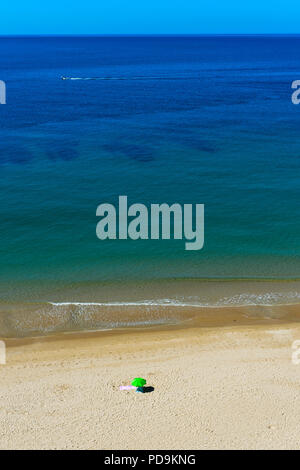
pixel 211 122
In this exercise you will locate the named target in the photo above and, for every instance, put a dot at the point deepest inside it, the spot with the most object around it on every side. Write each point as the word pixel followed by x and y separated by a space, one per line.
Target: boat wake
pixel 130 78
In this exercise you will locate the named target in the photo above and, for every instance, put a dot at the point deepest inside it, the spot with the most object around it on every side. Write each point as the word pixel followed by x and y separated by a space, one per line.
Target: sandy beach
pixel 226 387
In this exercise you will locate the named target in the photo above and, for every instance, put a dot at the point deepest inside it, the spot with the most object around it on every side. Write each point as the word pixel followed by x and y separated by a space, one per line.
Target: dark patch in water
pixel 136 152
pixel 206 148
pixel 62 151
pixel 66 154
pixel 14 154
pixel 201 145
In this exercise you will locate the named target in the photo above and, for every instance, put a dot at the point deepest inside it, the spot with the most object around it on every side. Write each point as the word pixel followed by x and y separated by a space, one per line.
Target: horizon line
pixel 142 34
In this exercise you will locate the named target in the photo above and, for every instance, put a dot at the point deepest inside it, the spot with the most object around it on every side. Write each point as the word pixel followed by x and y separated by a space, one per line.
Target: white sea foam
pixel 239 300
pixel 31 319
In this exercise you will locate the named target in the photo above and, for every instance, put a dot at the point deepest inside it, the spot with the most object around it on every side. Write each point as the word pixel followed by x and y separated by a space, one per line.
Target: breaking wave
pixel 19 319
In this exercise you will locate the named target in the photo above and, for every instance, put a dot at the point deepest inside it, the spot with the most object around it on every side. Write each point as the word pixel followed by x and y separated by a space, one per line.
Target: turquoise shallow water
pixel 219 129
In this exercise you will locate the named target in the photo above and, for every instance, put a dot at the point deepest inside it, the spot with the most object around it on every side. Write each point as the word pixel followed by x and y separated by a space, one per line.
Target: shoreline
pixel 167 318
pixel 46 309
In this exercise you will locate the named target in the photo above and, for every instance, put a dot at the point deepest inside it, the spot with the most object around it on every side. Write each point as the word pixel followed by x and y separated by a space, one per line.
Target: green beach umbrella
pixel 138 382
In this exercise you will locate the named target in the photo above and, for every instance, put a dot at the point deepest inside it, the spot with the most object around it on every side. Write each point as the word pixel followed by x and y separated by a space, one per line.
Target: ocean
pixel 178 119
